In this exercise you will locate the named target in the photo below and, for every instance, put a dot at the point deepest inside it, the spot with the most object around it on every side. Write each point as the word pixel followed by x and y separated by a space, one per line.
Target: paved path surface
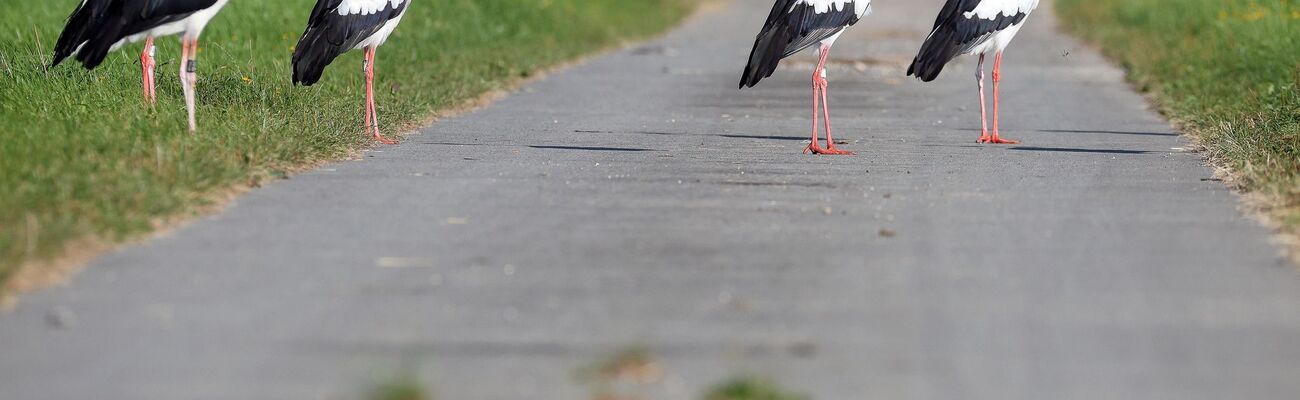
pixel 640 199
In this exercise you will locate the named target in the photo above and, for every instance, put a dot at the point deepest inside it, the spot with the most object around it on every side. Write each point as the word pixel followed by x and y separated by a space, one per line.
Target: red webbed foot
pixel 828 150
pixel 995 139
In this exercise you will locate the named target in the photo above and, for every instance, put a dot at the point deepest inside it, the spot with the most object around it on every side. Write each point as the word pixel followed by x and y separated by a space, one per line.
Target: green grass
pixel 1227 70
pixel 750 388
pixel 81 157
pixel 405 387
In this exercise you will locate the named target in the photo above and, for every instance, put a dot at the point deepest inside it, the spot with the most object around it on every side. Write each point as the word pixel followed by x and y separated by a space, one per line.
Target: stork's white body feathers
pixel 992 9
pixel 996 42
pixel 861 8
pixel 191 26
pixel 989 9
pixel 382 35
pixel 368 7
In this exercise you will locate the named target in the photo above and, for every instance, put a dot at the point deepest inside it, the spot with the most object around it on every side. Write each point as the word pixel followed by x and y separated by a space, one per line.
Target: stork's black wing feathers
pixel 152 9
pixel 96 25
pixel 329 35
pixel 791 27
pixel 954 34
pixel 86 19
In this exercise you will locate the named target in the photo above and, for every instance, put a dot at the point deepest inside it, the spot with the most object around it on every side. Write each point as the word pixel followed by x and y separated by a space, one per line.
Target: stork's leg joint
pixel 819 79
pixel 147 64
pixel 997 68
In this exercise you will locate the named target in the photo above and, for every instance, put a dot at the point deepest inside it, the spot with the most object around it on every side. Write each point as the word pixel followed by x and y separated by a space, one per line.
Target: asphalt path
pixel 639 199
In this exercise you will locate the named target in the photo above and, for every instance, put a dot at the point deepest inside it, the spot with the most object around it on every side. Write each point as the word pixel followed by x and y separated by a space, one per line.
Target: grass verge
pixel 83 160
pixel 1227 71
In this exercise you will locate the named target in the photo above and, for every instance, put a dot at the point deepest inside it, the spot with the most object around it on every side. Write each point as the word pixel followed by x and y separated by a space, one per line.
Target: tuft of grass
pixel 404 388
pixel 632 364
pixel 1228 71
pixel 750 388
pixel 82 157
pixel 623 371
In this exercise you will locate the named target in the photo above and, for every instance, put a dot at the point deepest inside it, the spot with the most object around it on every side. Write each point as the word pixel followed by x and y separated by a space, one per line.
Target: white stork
pixel 973 27
pixel 98 27
pixel 338 26
pixel 795 25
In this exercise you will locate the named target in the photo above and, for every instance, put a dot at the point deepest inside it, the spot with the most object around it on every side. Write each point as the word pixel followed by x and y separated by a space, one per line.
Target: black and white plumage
pixel 98 27
pixel 792 26
pixel 979 27
pixel 338 26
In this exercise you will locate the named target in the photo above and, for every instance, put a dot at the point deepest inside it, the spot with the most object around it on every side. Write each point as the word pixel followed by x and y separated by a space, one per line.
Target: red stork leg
pixel 147 65
pixel 372 114
pixel 819 85
pixel 997 80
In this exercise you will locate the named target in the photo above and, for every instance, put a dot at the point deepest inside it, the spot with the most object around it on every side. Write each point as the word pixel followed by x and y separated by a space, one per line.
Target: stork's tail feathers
pixel 85 35
pixel 768 51
pixel 940 48
pixel 311 56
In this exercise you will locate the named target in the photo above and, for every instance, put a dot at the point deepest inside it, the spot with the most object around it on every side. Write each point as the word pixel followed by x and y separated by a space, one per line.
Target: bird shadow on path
pixel 1087 131
pixel 733 136
pixel 546 147
pixel 591 148
pixel 1079 150
pixel 1107 132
